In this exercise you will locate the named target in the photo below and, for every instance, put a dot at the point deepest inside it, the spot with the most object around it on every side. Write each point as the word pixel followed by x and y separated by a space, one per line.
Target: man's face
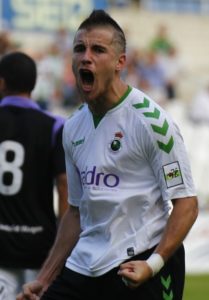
pixel 95 62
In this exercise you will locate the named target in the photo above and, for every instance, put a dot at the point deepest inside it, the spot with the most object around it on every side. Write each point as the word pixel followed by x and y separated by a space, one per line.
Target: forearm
pixel 182 218
pixel 63 245
pixel 61 185
pixel 180 222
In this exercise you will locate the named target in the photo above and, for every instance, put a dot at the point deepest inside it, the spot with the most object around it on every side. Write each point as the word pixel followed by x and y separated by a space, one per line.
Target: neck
pixel 104 103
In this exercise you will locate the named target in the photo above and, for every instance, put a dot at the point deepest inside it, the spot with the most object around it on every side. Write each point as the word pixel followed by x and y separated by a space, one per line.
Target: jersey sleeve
pixel 73 177
pixel 58 150
pixel 166 152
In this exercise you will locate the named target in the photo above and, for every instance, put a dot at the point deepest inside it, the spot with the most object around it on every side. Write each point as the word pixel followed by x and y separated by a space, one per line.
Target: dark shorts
pixel 167 284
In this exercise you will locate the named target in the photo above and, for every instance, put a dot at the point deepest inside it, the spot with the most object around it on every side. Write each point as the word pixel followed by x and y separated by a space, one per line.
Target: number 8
pixel 12 167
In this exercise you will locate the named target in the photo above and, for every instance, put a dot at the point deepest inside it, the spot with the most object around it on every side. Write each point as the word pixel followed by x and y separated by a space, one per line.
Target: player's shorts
pixel 11 281
pixel 167 284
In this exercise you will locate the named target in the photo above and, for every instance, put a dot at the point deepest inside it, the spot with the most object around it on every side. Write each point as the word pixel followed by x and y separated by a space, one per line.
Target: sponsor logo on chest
pixel 97 178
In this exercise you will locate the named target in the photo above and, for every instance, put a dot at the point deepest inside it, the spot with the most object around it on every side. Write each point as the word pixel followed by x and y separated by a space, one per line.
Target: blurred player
pixel 31 160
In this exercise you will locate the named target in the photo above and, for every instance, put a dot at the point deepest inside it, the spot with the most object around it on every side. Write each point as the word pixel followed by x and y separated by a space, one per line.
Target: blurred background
pixel 167 57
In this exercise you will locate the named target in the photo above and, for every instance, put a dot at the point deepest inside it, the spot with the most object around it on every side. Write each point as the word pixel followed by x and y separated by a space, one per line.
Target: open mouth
pixel 87 78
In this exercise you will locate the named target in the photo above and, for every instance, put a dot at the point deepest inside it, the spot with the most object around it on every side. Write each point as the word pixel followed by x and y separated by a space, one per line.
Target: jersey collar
pixel 97 119
pixel 19 102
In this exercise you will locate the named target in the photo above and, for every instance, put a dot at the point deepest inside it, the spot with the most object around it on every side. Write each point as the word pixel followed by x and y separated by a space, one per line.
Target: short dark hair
pixel 98 18
pixel 19 72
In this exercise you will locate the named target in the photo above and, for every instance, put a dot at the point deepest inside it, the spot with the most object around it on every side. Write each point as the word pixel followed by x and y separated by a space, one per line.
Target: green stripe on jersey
pixel 161 130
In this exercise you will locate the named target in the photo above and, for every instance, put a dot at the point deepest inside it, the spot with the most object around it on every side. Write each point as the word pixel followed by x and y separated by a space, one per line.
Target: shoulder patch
pixel 153 113
pixel 172 174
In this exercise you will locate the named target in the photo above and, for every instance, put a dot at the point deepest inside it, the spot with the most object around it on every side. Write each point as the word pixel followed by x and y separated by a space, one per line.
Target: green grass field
pixel 196 287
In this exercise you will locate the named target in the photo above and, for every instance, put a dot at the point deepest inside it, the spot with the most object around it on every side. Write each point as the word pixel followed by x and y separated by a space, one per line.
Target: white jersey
pixel 123 174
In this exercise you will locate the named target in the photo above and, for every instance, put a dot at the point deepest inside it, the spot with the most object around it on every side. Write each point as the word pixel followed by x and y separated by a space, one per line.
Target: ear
pixel 121 62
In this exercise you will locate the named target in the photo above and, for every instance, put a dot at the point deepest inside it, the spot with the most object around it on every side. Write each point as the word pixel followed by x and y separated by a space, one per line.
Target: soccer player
pixel 131 194
pixel 31 159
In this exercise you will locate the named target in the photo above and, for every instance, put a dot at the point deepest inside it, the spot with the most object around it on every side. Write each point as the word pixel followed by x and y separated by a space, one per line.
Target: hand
pixel 134 273
pixel 31 291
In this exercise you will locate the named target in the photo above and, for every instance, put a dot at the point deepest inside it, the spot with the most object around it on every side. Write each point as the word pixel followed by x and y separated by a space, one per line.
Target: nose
pixel 87 58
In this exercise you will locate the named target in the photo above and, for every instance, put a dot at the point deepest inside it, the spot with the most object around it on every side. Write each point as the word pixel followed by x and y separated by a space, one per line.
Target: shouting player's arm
pixel 183 216
pixel 61 185
pixel 64 243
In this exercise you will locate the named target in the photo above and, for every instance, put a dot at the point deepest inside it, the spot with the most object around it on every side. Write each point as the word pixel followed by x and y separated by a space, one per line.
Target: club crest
pixel 115 145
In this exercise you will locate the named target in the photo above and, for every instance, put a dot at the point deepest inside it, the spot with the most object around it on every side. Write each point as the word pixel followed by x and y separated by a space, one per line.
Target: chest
pixel 110 148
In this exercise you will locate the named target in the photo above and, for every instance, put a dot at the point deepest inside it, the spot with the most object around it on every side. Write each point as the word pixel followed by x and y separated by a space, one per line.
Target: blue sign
pixel 46 15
